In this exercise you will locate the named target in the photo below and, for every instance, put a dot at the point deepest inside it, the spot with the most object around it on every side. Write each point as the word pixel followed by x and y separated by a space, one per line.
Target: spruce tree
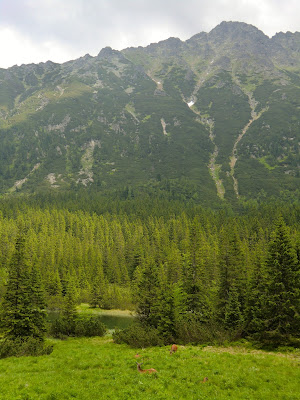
pixel 180 305
pixel 196 299
pixel 23 309
pixel 17 317
pixel 99 288
pixel 231 272
pixel 282 314
pixel 147 294
pixel 273 310
pixel 38 304
pixel 233 315
pixel 69 310
pixel 165 307
pixel 256 300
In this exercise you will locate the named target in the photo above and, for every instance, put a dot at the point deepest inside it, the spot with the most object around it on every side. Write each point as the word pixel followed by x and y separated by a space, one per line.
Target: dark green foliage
pixel 82 326
pixel 193 288
pixel 255 300
pixel 98 290
pixel 280 302
pixel 137 335
pixel 59 329
pixel 166 309
pixel 147 295
pixel 17 301
pixel 38 303
pixel 273 301
pixel 232 270
pixel 69 313
pixel 28 346
pixel 193 331
pixel 233 316
pixel 23 308
pixel 192 274
pixel 24 305
pixel 89 326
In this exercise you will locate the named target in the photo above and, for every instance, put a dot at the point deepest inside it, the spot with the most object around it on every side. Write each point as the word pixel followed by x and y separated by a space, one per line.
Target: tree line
pixel 192 274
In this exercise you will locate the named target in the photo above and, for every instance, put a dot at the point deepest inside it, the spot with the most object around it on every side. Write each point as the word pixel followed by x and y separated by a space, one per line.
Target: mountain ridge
pixel 280 36
pixel 215 116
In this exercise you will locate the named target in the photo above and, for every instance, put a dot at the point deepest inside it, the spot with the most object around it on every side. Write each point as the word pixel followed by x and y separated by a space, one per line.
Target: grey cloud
pixel 88 25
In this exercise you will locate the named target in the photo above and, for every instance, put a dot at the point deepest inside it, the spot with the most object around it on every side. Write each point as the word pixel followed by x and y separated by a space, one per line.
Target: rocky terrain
pixel 214 117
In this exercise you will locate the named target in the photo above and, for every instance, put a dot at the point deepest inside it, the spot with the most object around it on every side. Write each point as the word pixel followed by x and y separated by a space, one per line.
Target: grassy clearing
pixel 85 308
pixel 97 368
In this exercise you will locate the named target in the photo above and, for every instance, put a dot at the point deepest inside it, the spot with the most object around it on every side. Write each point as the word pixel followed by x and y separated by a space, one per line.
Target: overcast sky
pixel 61 30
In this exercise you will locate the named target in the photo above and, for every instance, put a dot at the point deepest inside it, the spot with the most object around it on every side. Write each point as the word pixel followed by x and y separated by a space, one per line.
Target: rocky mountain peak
pixel 288 40
pixel 108 53
pixel 236 30
pixel 171 46
pixel 239 35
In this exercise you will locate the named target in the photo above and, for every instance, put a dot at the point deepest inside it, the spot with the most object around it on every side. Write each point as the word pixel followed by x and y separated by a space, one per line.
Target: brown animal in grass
pixel 145 371
pixel 174 348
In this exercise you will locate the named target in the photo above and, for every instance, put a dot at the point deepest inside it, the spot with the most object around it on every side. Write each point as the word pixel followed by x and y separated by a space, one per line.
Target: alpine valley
pixel 215 118
pixel 160 186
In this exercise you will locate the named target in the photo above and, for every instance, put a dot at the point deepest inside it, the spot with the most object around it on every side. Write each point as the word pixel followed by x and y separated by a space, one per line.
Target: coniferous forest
pixel 149 201
pixel 192 274
pixel 163 180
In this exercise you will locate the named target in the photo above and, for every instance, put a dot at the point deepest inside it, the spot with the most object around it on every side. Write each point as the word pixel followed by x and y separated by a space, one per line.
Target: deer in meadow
pixel 173 349
pixel 145 371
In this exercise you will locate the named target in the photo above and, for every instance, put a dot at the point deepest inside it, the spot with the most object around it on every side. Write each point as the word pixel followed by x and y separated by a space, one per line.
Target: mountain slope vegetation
pixel 216 116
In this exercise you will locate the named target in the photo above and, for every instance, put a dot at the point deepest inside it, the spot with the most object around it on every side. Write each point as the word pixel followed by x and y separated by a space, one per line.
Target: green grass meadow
pixel 97 368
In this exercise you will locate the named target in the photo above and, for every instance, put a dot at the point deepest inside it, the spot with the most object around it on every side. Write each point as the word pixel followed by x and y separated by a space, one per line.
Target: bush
pixel 59 328
pixel 273 340
pixel 83 326
pixel 28 346
pixel 89 326
pixel 195 332
pixel 137 335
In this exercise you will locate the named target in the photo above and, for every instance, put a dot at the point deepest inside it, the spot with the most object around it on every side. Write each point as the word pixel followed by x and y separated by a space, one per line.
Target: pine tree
pixel 98 290
pixel 231 270
pixel 196 299
pixel 147 294
pixel 38 304
pixel 54 287
pixel 256 300
pixel 282 314
pixel 165 307
pixel 273 310
pixel 233 315
pixel 69 310
pixel 23 309
pixel 17 317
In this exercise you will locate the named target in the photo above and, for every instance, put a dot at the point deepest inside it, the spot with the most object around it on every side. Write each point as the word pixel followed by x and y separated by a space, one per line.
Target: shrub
pixel 137 335
pixel 89 326
pixel 194 332
pixel 273 340
pixel 28 346
pixel 83 326
pixel 59 329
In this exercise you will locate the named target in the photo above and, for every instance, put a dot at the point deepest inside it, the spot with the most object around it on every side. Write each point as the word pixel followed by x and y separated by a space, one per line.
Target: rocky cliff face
pixel 217 115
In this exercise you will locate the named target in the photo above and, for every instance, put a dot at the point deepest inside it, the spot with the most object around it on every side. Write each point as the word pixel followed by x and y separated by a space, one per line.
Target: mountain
pixel 215 117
